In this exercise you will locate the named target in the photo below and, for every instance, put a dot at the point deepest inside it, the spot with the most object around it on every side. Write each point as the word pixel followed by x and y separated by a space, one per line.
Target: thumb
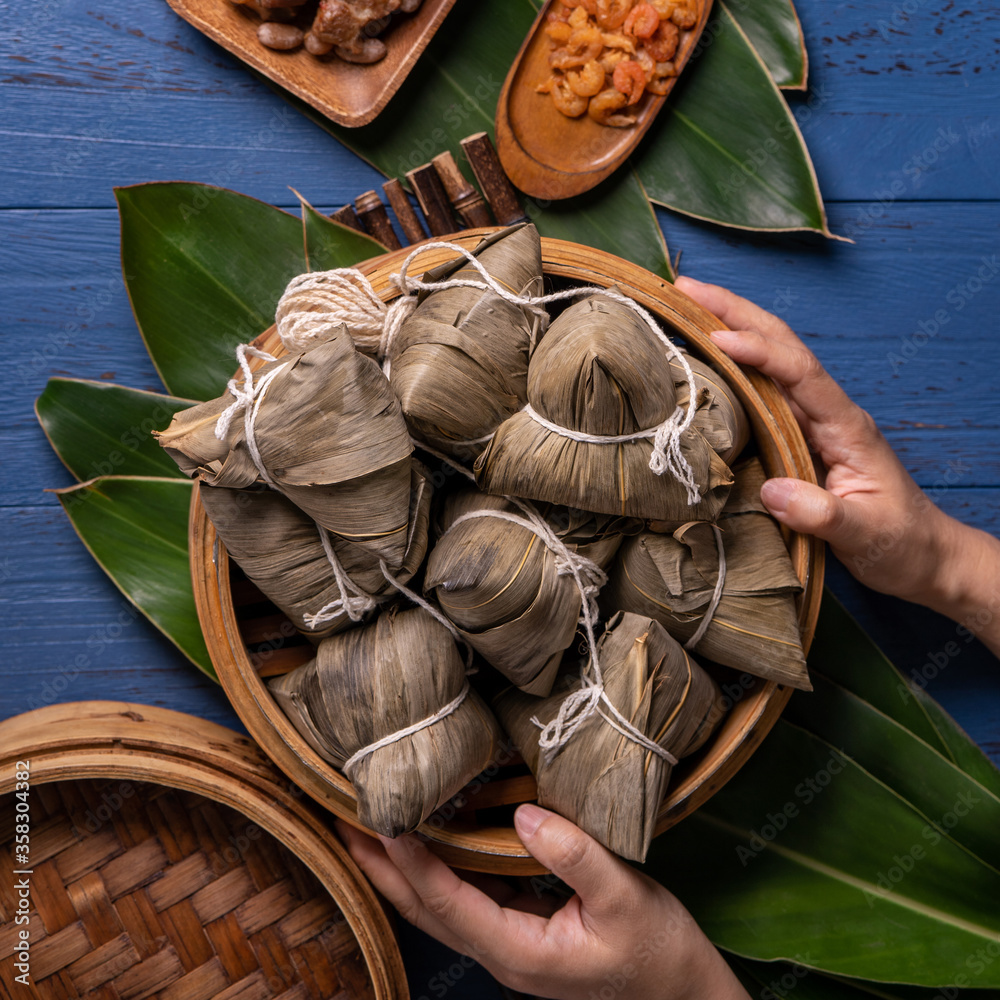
pixel 600 879
pixel 810 509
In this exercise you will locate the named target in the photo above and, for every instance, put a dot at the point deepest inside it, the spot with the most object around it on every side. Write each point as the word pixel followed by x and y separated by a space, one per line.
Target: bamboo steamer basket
pixel 250 641
pixel 170 859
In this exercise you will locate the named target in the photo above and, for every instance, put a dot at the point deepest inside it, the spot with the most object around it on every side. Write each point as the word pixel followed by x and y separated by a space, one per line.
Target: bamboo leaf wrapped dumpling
pixel 280 549
pixel 372 683
pixel 602 780
pixel 328 434
pixel 600 370
pixel 510 594
pixel 720 416
pixel 673 578
pixel 459 362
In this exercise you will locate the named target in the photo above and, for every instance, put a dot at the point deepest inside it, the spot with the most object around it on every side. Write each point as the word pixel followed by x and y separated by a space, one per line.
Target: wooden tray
pixel 346 93
pixel 548 155
pixel 169 858
pixel 249 640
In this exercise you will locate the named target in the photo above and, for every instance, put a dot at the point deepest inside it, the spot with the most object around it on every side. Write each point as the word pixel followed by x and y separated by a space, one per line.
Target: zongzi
pixel 389 703
pixel 754 625
pixel 323 428
pixel 459 362
pixel 602 779
pixel 511 594
pixel 281 550
pixel 599 371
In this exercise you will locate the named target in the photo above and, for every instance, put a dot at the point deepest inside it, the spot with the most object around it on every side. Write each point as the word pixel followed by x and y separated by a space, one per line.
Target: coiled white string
pixel 353 601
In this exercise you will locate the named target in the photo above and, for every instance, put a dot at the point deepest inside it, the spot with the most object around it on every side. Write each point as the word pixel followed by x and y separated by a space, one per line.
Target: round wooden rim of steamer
pixel 111 739
pixel 782 450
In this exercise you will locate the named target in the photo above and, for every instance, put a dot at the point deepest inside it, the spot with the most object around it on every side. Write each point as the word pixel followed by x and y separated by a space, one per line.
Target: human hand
pixel 621 935
pixel 878 522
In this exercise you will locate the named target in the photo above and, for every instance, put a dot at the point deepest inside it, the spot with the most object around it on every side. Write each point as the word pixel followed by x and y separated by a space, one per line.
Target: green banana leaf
pixel 806 856
pixel 773 980
pixel 843 652
pixel 137 530
pixel 726 148
pixel 329 244
pixel 204 268
pixel 103 429
pixel 775 31
pixel 958 806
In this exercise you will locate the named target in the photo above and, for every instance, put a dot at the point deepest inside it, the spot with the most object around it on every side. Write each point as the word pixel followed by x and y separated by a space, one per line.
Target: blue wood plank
pixel 910 102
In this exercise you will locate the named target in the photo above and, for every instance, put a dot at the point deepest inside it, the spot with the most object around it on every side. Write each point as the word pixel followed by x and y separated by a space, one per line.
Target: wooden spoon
pixel 548 155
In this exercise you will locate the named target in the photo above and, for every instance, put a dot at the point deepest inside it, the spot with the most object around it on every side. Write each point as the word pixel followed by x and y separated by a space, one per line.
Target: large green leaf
pixel 806 856
pixel 770 980
pixel 137 528
pixel 957 805
pixel 844 652
pixel 726 148
pixel 452 92
pixel 204 268
pixel 102 429
pixel 774 30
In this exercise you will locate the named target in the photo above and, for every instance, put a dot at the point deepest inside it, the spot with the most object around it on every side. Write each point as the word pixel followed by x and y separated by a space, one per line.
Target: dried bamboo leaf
pixel 279 549
pixel 374 681
pixel 603 781
pixel 672 578
pixel 329 432
pixel 720 416
pixel 501 586
pixel 459 362
pixel 599 370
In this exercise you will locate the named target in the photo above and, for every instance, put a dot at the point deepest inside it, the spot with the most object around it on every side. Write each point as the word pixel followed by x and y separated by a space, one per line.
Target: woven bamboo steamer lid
pixel 456 832
pixel 169 858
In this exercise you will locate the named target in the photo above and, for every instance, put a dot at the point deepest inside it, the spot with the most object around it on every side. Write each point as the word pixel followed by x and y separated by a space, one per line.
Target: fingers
pixel 606 885
pixel 812 510
pixel 736 312
pixel 372 858
pixel 460 909
pixel 809 385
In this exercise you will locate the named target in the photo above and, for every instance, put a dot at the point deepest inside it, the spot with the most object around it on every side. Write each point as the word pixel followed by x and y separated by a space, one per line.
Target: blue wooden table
pixel 903 125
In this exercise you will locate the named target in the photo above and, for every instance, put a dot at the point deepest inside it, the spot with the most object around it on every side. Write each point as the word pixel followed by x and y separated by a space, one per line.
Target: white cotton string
pixel 566 559
pixel 590 697
pixel 441 713
pixel 353 601
pixel 314 301
pixel 433 612
pixel 720 584
pixel 248 399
